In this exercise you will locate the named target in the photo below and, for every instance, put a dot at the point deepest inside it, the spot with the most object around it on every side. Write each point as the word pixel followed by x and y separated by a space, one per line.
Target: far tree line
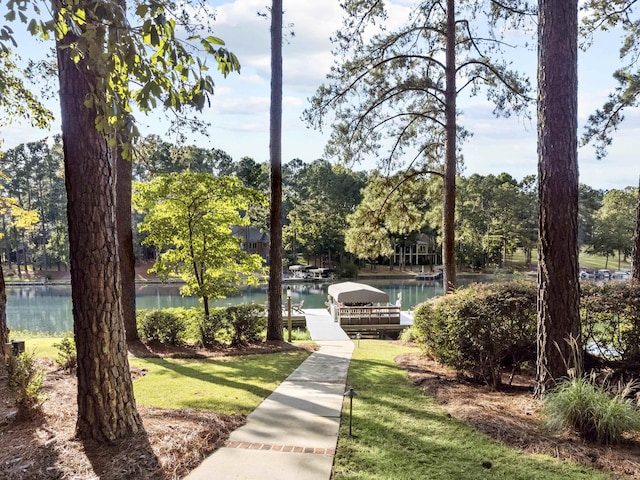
pixel 332 215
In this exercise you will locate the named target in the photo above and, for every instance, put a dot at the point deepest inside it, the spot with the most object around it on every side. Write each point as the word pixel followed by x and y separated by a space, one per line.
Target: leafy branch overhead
pixel 150 57
pixel 601 15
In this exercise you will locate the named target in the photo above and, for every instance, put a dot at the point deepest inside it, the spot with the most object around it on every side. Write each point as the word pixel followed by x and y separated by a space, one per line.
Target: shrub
pixel 161 326
pixel 25 381
pixel 480 328
pixel 610 316
pixel 409 335
pixel 67 356
pixel 593 412
pixel 212 327
pixel 247 322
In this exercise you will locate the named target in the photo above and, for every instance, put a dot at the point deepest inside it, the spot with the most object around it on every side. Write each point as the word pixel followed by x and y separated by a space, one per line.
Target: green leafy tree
pixel 614 223
pixel 325 195
pixel 589 202
pixel 189 218
pixel 603 15
pixel 108 60
pixel 397 90
pixel 558 288
pixel 390 209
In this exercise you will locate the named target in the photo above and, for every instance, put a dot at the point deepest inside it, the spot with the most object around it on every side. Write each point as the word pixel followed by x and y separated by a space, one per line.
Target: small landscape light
pixel 350 393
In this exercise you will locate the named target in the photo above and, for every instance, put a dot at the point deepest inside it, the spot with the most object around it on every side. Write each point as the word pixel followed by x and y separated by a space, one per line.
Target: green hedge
pixel 236 325
pixel 480 328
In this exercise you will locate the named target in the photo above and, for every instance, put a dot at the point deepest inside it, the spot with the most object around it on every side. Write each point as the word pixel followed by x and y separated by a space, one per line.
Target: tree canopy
pixel 189 218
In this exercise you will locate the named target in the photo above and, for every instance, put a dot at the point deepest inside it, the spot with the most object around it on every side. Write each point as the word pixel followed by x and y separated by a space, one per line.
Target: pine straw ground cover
pixel 175 442
pixel 513 417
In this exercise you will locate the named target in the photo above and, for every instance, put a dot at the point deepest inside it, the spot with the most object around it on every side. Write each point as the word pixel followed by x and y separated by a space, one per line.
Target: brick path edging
pixel 280 448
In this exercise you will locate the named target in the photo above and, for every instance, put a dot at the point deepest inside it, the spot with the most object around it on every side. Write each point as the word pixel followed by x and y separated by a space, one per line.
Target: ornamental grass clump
pixel 592 410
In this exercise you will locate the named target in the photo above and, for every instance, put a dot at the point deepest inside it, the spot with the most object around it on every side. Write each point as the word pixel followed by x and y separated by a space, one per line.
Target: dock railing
pixel 369 315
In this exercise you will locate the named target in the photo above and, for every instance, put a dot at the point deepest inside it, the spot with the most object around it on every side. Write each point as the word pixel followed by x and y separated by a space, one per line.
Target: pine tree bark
pixel 274 324
pixel 449 200
pixel 106 406
pixel 125 245
pixel 4 331
pixel 558 287
pixel 635 253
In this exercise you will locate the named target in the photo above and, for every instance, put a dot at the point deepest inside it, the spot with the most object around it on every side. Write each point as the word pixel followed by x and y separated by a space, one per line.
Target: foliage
pixel 189 218
pixel 25 380
pixel 399 433
pixel 409 335
pixel 140 47
pixel 579 403
pixel 213 327
pixel 480 328
pixel 161 326
pixel 390 211
pixel 16 101
pixel 247 322
pixel 614 223
pixel 604 15
pixel 610 317
pixel 67 357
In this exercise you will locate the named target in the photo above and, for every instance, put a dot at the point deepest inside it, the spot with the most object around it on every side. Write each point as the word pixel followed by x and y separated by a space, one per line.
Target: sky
pixel 239 114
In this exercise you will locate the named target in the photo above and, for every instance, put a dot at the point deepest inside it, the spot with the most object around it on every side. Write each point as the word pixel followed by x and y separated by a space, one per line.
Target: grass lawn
pixel 231 385
pixel 587 260
pixel 398 433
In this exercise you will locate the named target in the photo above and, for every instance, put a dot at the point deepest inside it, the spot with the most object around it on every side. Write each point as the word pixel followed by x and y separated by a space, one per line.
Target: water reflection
pixel 48 308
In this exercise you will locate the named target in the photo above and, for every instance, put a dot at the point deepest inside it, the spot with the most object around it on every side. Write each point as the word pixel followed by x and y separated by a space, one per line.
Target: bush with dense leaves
pixel 67 356
pixel 610 316
pixel 26 380
pixel 213 329
pixel 161 326
pixel 481 328
pixel 247 322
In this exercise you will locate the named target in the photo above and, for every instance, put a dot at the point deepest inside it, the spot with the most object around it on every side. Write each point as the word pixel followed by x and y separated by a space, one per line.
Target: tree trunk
pixel 106 406
pixel 274 325
pixel 449 200
pixel 4 331
pixel 558 287
pixel 125 244
pixel 635 253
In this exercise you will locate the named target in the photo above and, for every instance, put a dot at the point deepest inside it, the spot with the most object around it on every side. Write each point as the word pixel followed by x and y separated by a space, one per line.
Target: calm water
pixel 48 308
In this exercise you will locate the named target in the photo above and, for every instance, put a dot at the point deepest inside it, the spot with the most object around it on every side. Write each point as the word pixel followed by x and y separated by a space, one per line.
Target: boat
pixel 429 276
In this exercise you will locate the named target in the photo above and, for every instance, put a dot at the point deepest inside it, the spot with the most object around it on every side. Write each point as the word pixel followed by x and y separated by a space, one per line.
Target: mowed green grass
pixel 232 385
pixel 587 260
pixel 401 434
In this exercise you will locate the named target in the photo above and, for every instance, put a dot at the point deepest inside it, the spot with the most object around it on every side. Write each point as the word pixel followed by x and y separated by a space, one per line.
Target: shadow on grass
pixel 401 434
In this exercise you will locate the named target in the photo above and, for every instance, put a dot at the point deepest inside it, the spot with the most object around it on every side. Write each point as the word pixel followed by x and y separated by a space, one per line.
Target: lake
pixel 47 308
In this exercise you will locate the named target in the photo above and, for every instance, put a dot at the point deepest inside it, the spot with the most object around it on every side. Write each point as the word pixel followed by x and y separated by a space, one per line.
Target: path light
pixel 350 393
pixel 289 311
pixel 358 338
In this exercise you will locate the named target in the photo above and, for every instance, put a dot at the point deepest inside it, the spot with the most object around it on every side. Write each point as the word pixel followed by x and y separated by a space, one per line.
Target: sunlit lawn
pixel 233 385
pixel 399 433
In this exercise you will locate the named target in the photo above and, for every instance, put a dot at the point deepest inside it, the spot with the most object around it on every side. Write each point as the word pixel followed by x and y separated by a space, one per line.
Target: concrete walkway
pixel 293 433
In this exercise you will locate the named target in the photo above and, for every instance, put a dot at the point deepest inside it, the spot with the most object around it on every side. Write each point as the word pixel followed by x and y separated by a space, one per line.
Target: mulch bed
pixel 175 441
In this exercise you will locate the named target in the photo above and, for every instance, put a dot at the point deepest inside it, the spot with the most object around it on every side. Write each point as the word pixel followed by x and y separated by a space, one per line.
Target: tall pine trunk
pixel 449 200
pixel 125 245
pixel 558 287
pixel 274 326
pixel 106 406
pixel 4 332
pixel 635 251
